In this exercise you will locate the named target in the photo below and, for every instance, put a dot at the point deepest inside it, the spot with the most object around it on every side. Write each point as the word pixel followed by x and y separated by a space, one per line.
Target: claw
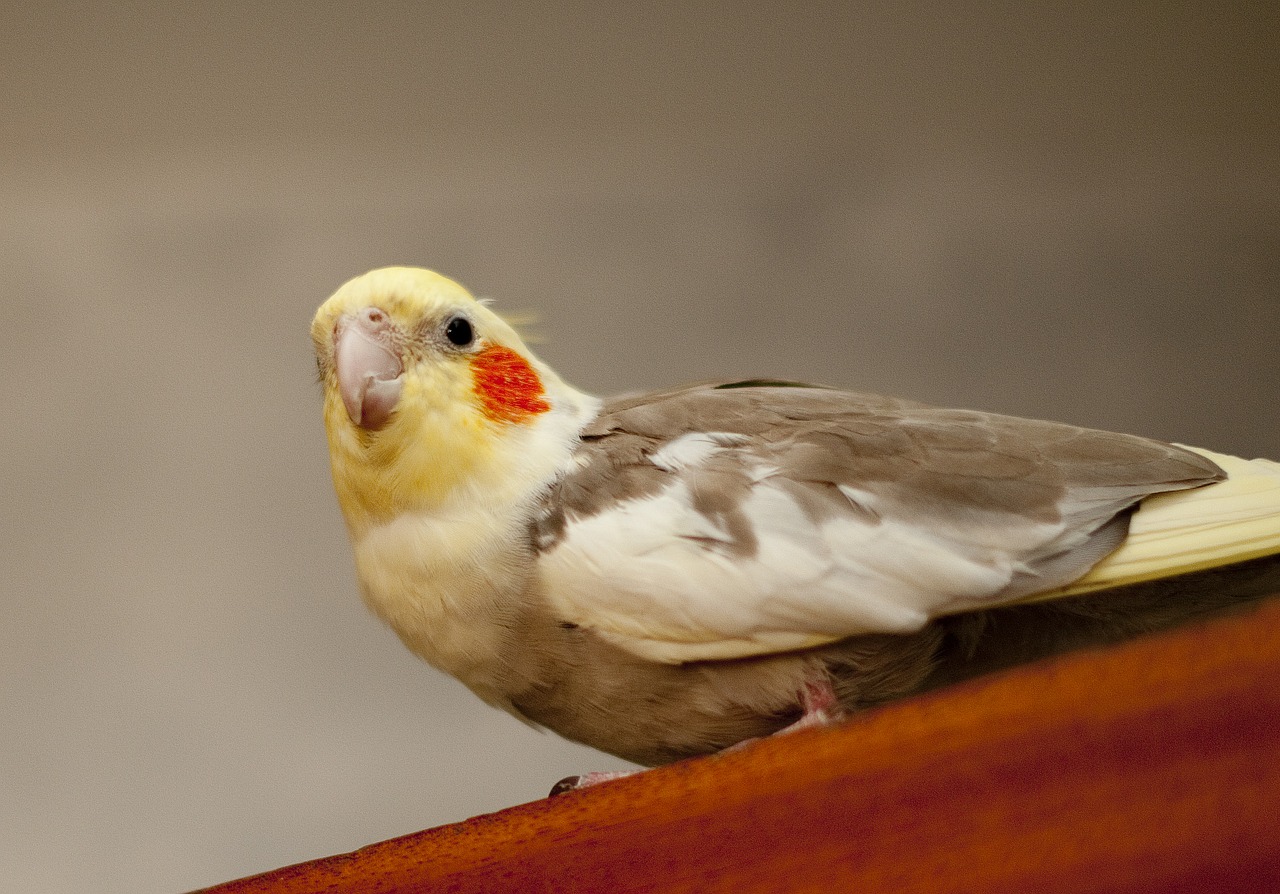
pixel 568 784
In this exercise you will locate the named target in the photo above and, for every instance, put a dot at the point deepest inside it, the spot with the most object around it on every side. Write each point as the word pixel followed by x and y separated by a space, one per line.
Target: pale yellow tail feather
pixel 1186 531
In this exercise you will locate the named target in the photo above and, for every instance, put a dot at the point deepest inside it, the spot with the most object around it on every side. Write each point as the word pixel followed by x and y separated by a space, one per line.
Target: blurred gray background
pixel 1072 215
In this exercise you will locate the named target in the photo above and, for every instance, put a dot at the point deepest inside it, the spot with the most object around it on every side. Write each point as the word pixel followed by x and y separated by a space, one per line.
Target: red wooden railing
pixel 1152 766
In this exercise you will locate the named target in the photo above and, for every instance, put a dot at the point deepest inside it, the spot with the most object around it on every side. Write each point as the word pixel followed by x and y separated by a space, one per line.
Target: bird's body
pixel 668 574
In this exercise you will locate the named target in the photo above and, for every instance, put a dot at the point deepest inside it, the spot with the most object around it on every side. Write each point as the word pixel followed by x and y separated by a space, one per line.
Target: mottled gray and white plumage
pixel 668 574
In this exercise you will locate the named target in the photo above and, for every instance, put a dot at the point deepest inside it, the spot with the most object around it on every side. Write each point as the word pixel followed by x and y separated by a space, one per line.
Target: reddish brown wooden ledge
pixel 1153 766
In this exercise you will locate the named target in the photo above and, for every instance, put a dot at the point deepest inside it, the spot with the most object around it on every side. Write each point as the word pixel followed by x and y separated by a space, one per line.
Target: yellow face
pixel 421 384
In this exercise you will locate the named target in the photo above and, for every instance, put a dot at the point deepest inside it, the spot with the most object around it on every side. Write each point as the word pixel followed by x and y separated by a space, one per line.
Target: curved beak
pixel 370 374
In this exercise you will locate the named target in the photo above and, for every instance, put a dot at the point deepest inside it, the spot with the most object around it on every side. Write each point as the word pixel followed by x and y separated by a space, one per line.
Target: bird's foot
pixel 821 708
pixel 586 780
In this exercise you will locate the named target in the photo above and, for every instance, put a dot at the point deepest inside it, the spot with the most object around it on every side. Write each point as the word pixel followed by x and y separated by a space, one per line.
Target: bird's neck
pixel 449 576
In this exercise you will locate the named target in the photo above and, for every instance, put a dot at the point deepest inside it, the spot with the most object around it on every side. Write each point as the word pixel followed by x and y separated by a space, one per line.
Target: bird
pixel 668 574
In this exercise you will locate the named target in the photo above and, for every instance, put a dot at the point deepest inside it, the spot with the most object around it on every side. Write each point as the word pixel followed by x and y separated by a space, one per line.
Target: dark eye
pixel 458 331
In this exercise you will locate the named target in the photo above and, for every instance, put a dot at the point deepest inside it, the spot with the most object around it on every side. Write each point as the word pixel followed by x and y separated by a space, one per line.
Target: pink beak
pixel 370 374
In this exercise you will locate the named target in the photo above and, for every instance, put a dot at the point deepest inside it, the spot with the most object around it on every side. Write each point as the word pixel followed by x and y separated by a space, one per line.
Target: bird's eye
pixel 458 331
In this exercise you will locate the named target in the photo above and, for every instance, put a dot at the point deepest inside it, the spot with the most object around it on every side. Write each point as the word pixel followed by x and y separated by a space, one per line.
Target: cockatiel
pixel 665 575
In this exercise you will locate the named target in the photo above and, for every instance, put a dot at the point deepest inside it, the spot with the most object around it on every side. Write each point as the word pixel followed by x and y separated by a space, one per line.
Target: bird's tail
pixel 1226 523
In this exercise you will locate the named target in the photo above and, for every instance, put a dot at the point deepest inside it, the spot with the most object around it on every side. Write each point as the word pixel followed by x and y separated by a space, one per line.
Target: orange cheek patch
pixel 508 388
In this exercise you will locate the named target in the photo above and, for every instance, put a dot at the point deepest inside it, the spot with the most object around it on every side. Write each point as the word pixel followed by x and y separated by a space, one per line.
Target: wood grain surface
pixel 1153 766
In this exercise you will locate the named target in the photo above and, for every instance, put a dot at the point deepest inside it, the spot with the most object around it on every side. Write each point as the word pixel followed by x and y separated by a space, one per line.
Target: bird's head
pixel 430 397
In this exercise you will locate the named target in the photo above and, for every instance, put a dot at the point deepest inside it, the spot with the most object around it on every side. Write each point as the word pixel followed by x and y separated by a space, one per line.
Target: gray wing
pixel 724 521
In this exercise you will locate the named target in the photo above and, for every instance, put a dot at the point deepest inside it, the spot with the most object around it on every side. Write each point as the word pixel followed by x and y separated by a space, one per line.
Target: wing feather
pixel 711 523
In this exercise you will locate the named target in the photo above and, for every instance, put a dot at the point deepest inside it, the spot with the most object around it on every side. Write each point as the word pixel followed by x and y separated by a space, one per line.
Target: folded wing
pixel 720 522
